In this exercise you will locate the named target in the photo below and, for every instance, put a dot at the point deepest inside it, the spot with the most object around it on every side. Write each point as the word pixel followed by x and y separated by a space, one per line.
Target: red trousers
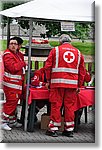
pixel 62 97
pixel 9 107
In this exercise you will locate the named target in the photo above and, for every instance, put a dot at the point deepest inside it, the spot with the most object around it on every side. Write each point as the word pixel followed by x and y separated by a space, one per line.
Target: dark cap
pixel 18 39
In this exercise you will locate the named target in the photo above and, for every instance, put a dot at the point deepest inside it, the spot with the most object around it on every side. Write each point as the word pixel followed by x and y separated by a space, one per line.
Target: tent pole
pixel 8 30
pixel 28 73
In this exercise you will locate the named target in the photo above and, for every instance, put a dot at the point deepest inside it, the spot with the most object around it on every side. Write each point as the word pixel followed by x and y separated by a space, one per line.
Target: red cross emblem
pixel 35 77
pixel 69 57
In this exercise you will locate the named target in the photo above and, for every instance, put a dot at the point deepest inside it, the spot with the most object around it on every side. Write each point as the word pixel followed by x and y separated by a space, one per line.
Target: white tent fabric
pixel 72 10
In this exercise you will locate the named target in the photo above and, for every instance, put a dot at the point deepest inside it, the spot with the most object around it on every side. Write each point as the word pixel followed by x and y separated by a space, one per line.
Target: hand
pixel 26 62
pixel 26 67
pixel 47 85
pixel 77 90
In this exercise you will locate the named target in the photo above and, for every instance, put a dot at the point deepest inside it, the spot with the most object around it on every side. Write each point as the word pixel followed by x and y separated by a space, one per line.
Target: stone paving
pixel 85 134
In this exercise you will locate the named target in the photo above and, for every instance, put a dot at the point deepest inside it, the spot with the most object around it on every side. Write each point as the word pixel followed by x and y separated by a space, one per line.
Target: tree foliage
pixel 82 30
pixel 7 5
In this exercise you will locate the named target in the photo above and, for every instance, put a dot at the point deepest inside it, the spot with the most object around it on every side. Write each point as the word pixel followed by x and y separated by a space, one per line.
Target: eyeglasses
pixel 13 43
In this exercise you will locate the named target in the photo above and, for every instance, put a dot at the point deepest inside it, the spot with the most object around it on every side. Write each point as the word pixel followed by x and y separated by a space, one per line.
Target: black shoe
pixel 52 133
pixel 67 133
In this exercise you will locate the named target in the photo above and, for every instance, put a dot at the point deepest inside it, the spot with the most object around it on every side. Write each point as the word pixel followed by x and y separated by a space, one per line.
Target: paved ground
pixel 85 134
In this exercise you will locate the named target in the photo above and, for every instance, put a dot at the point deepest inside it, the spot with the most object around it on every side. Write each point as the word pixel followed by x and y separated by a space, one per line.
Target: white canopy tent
pixel 69 10
pixel 56 10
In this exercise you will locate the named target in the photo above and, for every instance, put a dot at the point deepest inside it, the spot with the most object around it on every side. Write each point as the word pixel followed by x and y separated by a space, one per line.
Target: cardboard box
pixel 45 118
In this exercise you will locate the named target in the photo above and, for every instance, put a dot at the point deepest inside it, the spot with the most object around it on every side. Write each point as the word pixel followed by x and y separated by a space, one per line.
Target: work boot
pixel 52 133
pixel 67 133
pixel 5 126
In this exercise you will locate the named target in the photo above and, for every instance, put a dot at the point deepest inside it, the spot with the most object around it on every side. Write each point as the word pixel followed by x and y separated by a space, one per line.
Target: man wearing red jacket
pixel 66 66
pixel 14 72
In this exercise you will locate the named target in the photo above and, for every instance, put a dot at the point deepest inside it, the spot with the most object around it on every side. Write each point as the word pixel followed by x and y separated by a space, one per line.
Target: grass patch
pixel 54 43
pixel 3 45
pixel 86 48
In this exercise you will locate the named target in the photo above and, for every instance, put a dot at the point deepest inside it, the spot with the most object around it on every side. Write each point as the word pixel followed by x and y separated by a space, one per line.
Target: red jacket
pixel 21 55
pixel 1 69
pixel 13 71
pixel 38 79
pixel 65 64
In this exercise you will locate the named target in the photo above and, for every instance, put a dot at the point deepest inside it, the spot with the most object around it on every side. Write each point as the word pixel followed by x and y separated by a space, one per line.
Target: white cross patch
pixel 68 57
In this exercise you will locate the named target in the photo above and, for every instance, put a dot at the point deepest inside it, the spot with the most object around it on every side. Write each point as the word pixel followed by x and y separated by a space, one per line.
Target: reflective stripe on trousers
pixel 69 126
pixel 55 123
pixel 8 118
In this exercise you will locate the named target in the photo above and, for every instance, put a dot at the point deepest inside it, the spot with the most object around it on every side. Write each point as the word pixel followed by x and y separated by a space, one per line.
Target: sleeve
pixel 82 71
pixel 48 65
pixel 87 77
pixel 11 65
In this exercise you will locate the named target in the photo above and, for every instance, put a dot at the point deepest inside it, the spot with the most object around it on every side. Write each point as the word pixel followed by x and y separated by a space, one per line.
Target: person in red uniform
pixel 65 70
pixel 14 71
pixel 1 70
pixel 87 79
pixel 39 78
pixel 39 81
